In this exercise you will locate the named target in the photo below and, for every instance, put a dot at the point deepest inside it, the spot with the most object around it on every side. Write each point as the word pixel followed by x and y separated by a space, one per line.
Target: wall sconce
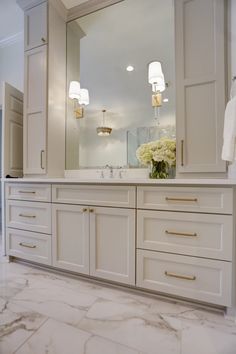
pixel 80 97
pixel 157 80
pixel 103 130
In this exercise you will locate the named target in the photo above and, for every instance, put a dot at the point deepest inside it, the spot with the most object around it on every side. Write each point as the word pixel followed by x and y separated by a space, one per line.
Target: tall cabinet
pixel 44 89
pixel 200 85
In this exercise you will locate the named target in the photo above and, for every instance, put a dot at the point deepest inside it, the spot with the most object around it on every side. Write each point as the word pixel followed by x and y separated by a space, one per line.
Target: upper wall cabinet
pixel 200 84
pixel 36 26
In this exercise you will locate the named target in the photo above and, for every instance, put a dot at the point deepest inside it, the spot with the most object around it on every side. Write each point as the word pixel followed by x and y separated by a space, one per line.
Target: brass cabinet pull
pixel 182 152
pixel 181 199
pixel 26 245
pixel 181 233
pixel 179 276
pixel 27 192
pixel 41 159
pixel 84 210
pixel 27 216
pixel 91 210
pixel 43 39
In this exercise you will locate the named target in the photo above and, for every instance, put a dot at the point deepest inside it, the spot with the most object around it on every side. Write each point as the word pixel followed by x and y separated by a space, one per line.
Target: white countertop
pixel 128 181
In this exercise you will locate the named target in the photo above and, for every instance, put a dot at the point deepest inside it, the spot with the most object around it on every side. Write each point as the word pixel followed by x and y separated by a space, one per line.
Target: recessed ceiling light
pixel 166 100
pixel 130 68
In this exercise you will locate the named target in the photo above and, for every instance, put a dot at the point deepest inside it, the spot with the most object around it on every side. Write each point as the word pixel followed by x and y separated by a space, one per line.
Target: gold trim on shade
pixel 104 131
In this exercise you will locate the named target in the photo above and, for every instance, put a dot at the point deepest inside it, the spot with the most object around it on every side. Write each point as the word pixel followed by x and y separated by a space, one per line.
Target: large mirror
pixel 108 53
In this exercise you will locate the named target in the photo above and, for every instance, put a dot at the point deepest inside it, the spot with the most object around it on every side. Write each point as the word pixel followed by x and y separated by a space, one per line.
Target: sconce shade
pixel 156 76
pixel 84 97
pixel 74 90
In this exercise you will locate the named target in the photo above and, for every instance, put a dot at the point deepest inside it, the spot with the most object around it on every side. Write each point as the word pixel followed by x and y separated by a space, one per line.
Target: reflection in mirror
pixel 108 53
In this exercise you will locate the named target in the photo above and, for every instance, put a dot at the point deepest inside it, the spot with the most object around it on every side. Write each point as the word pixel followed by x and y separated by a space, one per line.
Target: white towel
pixel 228 150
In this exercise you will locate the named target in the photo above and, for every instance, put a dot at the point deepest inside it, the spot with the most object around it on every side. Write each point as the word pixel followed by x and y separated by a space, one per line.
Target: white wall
pixel 12 65
pixel 233 37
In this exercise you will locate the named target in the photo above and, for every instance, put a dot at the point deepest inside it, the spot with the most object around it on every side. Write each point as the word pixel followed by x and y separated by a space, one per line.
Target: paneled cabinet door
pixel 36 26
pixel 200 82
pixel 70 237
pixel 112 244
pixel 35 110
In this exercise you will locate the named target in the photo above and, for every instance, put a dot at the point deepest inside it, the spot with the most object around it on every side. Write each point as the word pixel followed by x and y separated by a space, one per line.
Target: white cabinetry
pixel 201 85
pixel 35 109
pixel 45 85
pixel 99 241
pixel 36 26
pixel 185 244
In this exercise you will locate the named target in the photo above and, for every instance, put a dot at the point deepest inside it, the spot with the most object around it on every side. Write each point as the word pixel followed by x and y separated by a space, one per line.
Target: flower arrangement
pixel 160 155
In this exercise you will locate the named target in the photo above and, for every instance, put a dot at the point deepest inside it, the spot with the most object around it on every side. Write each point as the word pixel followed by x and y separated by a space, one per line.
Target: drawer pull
pixel 179 276
pixel 27 192
pixel 188 234
pixel 181 199
pixel 43 39
pixel 27 216
pixel 27 245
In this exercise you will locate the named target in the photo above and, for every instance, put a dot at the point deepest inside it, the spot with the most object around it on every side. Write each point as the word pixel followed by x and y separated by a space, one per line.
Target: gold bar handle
pixel 194 234
pixel 27 216
pixel 41 159
pixel 179 276
pixel 181 199
pixel 27 192
pixel 26 245
pixel 182 152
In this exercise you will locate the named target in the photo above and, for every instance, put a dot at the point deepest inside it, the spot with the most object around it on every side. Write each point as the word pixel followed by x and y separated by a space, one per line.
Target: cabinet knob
pixel 91 210
pixel 43 39
pixel 84 210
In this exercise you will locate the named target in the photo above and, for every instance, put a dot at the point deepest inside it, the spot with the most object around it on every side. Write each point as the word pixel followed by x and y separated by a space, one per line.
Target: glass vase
pixel 159 169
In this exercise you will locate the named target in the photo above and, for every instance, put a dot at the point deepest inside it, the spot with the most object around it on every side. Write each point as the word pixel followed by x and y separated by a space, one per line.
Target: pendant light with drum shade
pixel 103 130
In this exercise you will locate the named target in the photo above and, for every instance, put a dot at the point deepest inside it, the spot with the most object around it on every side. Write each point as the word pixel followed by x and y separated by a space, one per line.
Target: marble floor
pixel 47 313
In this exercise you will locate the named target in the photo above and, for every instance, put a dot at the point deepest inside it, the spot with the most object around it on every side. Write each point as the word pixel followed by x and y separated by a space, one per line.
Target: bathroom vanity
pixel 174 237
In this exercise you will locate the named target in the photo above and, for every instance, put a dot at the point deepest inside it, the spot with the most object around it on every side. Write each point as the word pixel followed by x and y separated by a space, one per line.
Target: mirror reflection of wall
pixel 100 47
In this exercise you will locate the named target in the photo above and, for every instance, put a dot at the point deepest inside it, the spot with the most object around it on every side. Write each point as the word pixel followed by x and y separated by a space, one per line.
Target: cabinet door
pixel 70 237
pixel 36 26
pixel 200 83
pixel 35 111
pixel 112 244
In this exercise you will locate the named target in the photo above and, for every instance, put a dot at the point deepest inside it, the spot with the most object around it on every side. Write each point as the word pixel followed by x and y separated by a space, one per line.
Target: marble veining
pixel 45 312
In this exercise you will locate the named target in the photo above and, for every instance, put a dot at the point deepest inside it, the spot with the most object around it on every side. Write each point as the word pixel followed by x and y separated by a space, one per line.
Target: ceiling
pixel 11 19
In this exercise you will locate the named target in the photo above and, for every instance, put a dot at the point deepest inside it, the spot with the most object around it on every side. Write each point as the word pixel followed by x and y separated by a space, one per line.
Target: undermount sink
pixel 108 173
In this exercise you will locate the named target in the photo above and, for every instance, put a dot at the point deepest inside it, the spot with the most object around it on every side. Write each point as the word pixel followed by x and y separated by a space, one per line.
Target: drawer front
pixel 117 196
pixel 206 200
pixel 200 235
pixel 31 216
pixel 37 192
pixel 189 277
pixel 28 245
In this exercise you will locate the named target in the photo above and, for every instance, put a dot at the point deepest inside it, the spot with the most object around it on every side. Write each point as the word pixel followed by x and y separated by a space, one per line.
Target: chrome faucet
pixel 111 175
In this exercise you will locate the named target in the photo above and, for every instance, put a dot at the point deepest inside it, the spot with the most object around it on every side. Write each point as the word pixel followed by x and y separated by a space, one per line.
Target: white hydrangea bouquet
pixel 159 155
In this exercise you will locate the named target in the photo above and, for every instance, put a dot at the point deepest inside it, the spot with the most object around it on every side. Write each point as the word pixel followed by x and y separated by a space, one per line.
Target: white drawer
pixel 32 216
pixel 26 191
pixel 199 279
pixel 117 196
pixel 201 235
pixel 205 200
pixel 28 245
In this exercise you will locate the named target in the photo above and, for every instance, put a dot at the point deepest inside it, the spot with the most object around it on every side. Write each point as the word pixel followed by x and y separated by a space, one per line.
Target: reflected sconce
pixel 157 80
pixel 103 130
pixel 80 97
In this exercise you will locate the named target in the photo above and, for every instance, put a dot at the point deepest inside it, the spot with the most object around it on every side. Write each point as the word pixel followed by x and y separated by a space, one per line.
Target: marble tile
pixel 62 304
pixel 58 338
pixel 131 326
pixel 16 325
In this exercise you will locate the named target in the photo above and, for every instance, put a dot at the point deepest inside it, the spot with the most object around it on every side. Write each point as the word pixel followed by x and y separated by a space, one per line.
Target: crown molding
pixel 27 4
pixel 88 7
pixel 7 41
